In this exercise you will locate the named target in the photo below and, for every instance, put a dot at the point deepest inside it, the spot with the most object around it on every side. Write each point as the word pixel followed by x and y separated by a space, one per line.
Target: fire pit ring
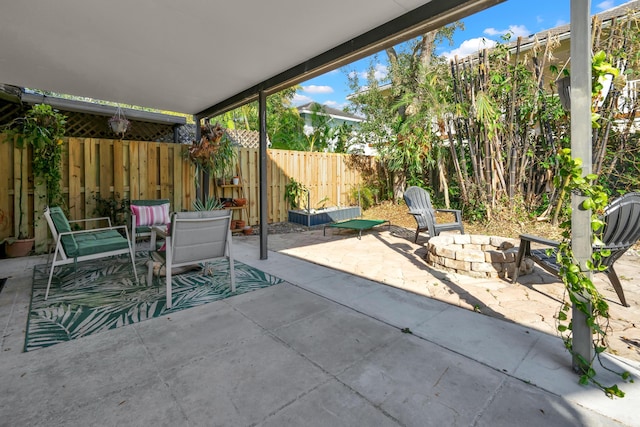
pixel 476 255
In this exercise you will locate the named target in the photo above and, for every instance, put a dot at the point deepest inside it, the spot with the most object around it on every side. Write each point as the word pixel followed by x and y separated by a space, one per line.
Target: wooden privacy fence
pixel 105 169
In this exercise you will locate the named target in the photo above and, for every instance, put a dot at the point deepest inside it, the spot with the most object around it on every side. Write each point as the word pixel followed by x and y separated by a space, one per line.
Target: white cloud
pixel 380 72
pixel 607 4
pixel 317 89
pixel 469 47
pixel 300 99
pixel 515 31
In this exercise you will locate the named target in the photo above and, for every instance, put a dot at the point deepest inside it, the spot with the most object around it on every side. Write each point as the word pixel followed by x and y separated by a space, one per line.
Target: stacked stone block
pixel 475 255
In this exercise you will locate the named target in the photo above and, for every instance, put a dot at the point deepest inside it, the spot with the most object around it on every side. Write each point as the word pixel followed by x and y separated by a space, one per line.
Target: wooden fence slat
pixel 142 170
pixel 90 176
pixel 143 177
pixel 134 171
pixel 165 187
pixel 177 184
pixel 118 170
pixel 74 149
pixel 106 170
pixel 6 214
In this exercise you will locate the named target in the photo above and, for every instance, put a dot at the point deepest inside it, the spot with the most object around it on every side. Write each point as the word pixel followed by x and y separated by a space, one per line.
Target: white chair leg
pixel 53 266
pixel 133 233
pixel 46 294
pixel 168 271
pixel 149 272
pixel 133 263
pixel 232 272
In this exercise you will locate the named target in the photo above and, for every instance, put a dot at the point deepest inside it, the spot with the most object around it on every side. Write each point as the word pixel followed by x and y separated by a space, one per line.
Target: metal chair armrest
pixel 93 230
pixel 103 218
pixel 540 240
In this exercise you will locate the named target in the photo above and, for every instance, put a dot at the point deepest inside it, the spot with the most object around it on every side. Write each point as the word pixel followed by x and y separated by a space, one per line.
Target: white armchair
pixel 193 238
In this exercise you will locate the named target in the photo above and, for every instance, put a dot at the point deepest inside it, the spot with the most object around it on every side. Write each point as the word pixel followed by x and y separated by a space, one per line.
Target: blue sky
pixel 520 17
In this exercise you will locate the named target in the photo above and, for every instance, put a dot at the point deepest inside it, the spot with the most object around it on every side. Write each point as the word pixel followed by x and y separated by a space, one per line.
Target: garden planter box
pixel 323 216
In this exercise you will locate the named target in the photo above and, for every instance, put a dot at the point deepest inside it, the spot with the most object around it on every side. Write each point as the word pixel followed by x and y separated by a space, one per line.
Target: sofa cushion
pixel 151 215
pixel 62 226
pixel 98 242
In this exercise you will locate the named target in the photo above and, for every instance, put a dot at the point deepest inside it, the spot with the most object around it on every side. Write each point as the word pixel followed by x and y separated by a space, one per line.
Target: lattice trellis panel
pixel 8 111
pixel 83 125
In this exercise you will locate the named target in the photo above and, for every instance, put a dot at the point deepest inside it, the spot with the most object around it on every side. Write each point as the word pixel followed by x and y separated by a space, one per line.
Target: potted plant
pixel 214 153
pixel 119 124
pixel 42 129
pixel 209 204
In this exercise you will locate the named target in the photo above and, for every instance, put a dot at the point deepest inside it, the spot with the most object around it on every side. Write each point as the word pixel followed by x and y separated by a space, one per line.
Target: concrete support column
pixel 262 111
pixel 581 147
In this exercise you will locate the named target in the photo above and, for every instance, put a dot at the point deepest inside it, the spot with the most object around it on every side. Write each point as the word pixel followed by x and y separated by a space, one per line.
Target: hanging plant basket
pixel 119 123
pixel 119 126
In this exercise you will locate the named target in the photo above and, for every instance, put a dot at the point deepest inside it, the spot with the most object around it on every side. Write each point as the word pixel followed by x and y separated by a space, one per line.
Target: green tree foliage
pixel 284 124
pixel 402 112
pixel 490 126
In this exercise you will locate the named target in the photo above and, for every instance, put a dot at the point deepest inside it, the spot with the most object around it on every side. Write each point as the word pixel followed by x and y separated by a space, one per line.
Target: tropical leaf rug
pixel 103 295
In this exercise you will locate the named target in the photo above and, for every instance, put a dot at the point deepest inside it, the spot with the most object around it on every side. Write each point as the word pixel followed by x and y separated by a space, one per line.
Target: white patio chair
pixel 193 238
pixel 84 245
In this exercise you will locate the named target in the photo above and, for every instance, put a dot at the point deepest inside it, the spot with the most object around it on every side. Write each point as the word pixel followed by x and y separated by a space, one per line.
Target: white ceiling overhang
pixel 200 56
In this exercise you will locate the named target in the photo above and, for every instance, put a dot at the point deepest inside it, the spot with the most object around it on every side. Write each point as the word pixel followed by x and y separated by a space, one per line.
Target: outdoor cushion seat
pixel 145 214
pixel 99 241
pixel 621 231
pixel 419 204
pixel 83 245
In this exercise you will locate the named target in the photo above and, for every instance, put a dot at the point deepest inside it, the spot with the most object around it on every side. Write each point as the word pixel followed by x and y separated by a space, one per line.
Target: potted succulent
pixel 41 129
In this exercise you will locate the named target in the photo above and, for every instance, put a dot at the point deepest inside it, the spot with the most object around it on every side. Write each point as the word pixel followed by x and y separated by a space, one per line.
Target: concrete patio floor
pixel 327 348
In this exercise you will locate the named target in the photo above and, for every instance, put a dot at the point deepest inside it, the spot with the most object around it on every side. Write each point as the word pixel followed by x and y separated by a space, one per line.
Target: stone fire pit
pixel 476 255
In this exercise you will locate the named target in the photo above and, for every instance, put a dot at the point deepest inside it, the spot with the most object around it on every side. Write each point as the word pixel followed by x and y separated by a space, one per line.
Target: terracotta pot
pixel 247 230
pixel 240 202
pixel 232 224
pixel 19 248
pixel 239 224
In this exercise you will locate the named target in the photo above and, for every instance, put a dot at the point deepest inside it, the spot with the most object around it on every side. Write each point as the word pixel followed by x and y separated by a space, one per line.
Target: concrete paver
pixel 394 259
pixel 327 348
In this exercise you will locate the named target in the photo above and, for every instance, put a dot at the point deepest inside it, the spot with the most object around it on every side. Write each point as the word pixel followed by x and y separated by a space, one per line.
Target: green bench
pixel 357 224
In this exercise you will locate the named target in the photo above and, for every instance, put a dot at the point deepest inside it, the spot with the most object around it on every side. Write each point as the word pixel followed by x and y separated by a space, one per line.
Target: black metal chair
pixel 419 204
pixel 621 232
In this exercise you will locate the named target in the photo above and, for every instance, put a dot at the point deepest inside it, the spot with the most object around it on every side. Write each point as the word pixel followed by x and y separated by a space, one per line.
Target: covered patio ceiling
pixel 200 57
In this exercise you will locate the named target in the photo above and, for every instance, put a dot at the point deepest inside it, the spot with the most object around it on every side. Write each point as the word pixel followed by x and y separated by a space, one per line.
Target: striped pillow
pixel 151 215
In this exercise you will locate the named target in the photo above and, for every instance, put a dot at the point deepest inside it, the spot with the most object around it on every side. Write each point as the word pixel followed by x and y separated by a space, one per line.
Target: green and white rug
pixel 103 295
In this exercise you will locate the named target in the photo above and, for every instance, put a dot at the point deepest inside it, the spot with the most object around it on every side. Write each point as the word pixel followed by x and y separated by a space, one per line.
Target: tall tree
pixel 400 117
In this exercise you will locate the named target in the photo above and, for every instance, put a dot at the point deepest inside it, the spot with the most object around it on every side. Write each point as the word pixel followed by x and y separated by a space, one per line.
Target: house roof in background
pixel 193 57
pixel 564 31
